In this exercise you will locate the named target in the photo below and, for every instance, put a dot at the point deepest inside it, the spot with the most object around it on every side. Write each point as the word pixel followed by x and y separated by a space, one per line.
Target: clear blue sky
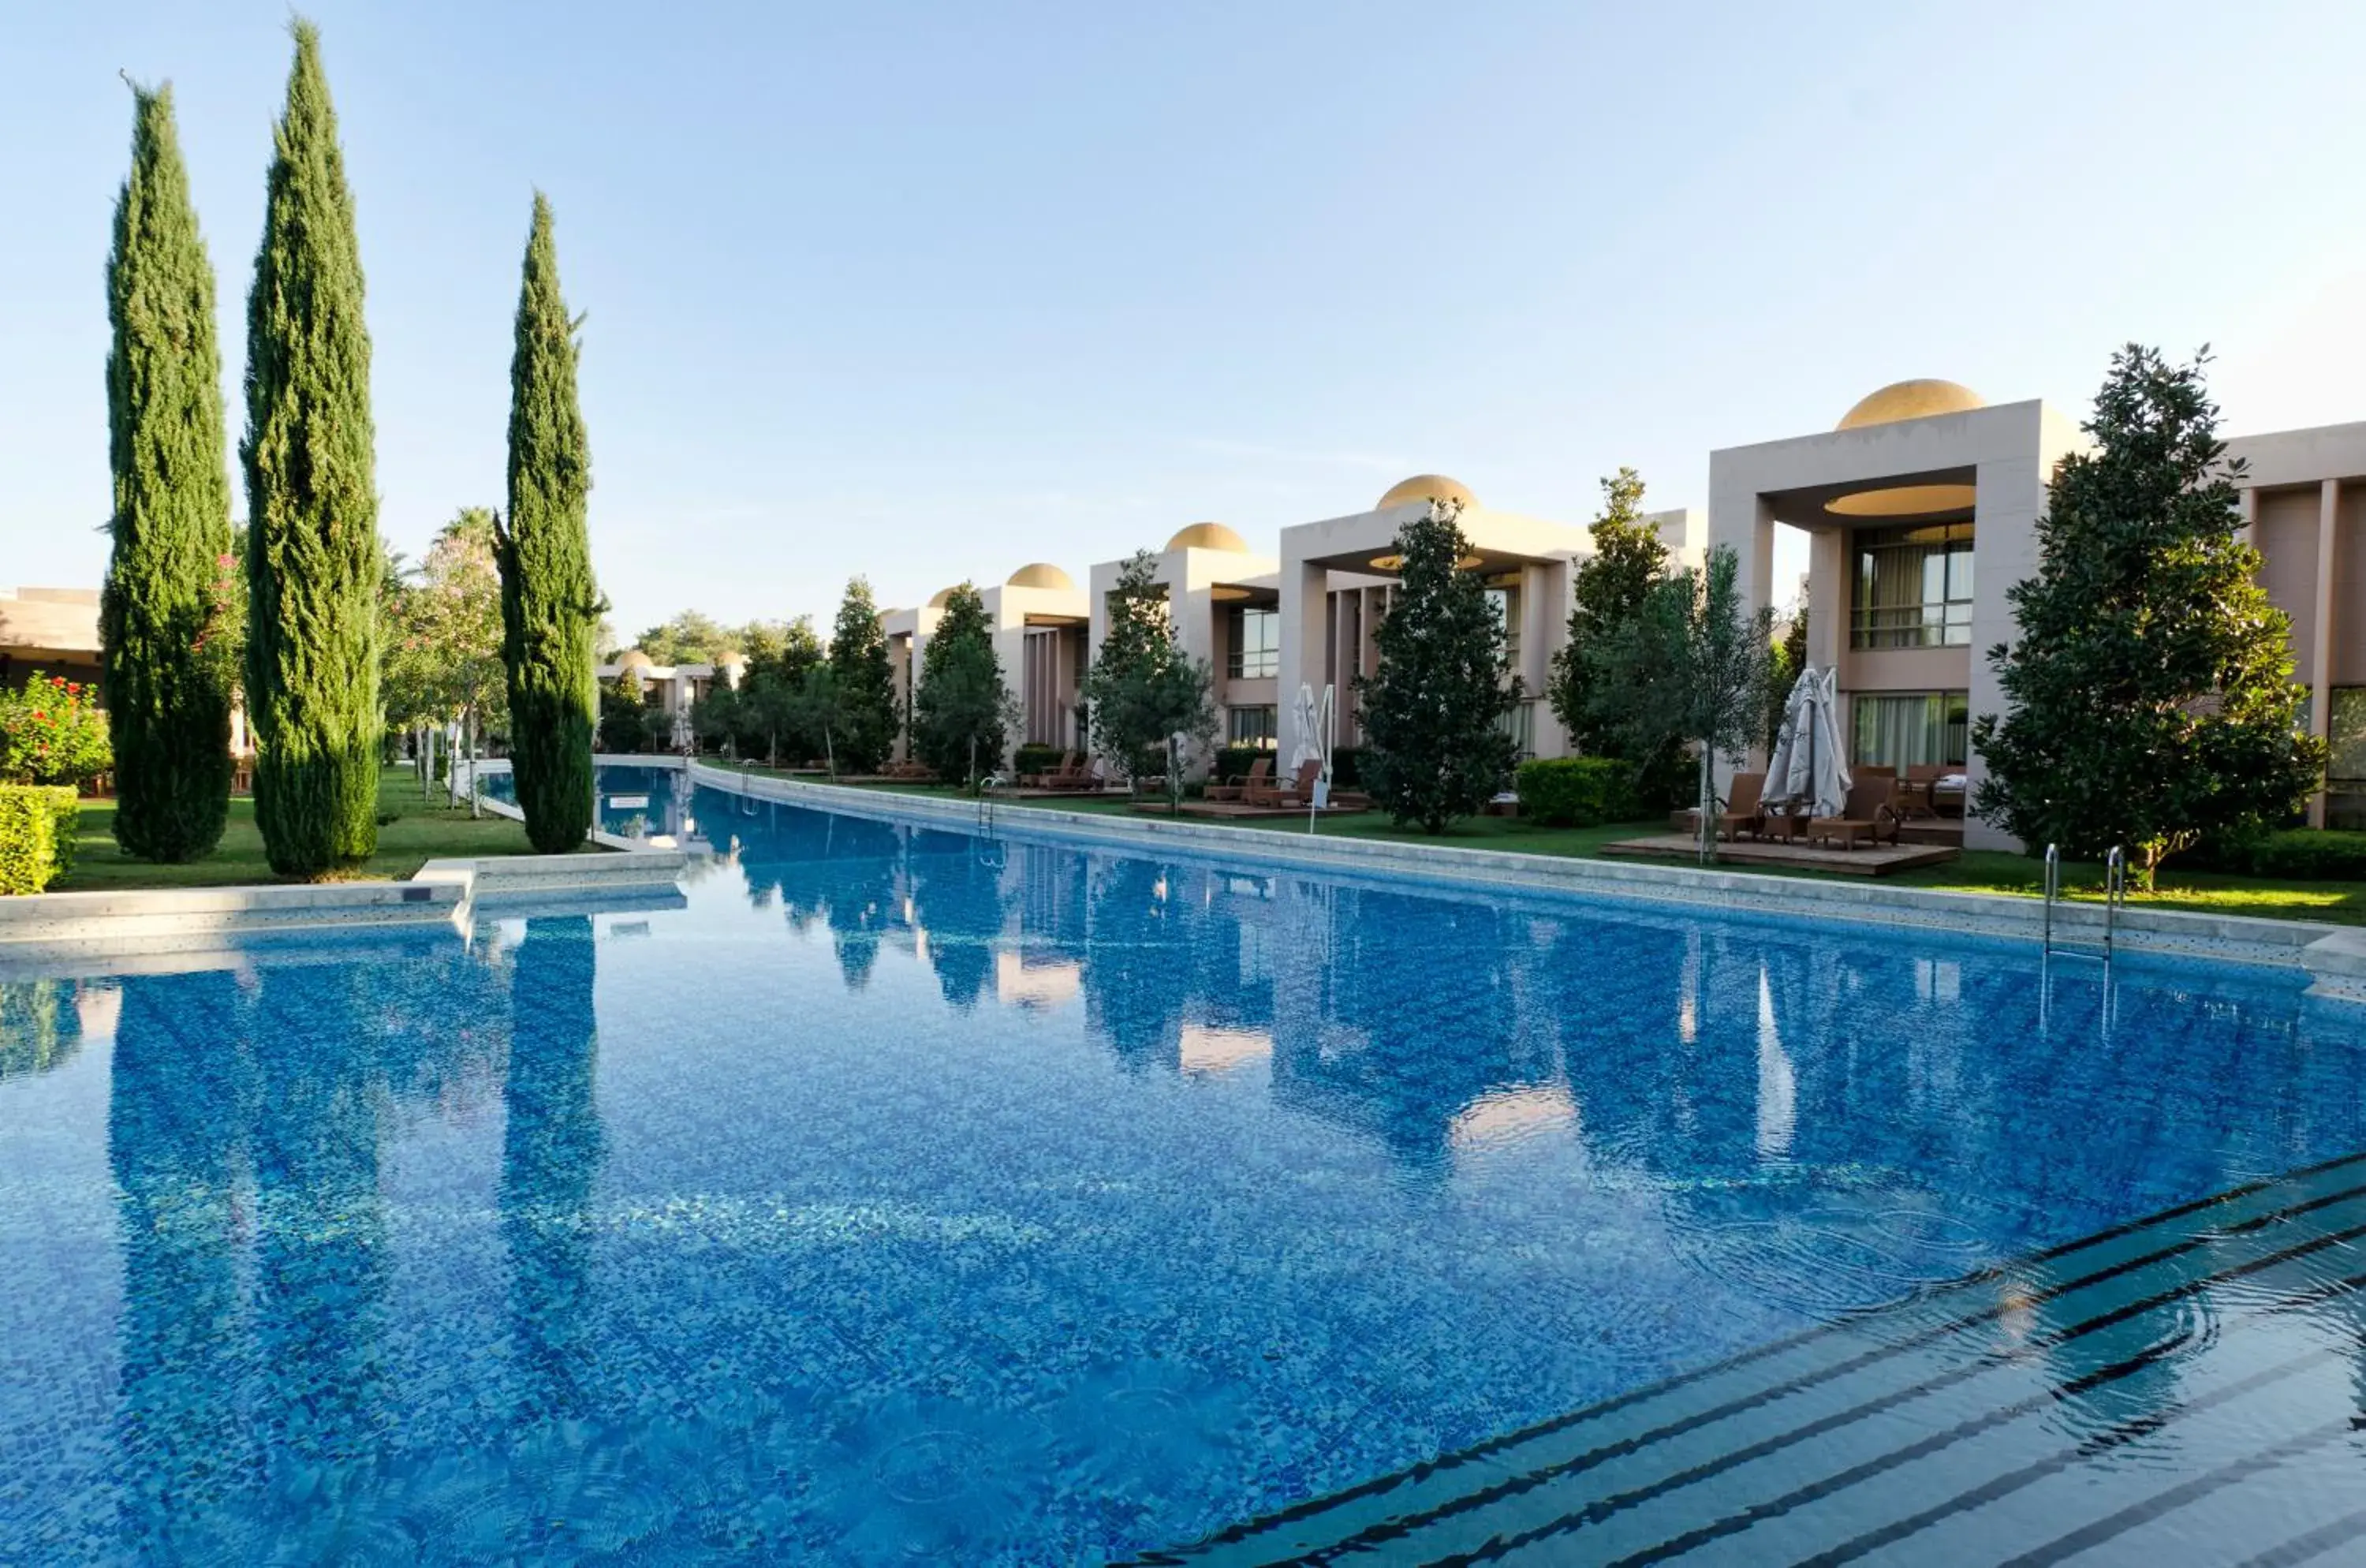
pixel 928 290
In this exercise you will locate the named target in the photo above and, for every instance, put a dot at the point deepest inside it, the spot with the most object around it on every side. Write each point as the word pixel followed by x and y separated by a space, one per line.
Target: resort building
pixel 1225 602
pixel 1920 509
pixel 2304 508
pixel 907 632
pixel 673 689
pixel 53 630
pixel 1338 576
pixel 1040 626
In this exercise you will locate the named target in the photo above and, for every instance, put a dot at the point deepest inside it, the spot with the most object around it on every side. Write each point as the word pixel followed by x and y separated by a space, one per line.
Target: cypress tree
pixel 313 556
pixel 550 606
pixel 1434 748
pixel 163 617
pixel 864 683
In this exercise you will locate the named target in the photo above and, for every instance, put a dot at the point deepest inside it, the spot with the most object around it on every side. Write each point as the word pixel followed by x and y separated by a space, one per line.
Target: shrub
pixel 1347 767
pixel 36 836
pixel 1576 791
pixel 2296 855
pixel 1033 758
pixel 52 732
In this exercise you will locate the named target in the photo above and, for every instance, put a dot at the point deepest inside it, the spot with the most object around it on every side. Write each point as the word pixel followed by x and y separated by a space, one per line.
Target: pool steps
pixel 2109 1396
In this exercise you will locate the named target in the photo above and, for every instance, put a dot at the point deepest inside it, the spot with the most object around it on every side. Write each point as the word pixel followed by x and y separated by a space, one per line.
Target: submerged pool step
pixel 2054 1407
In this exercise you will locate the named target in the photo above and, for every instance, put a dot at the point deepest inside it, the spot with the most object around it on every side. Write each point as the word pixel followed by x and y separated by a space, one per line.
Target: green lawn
pixel 423 831
pixel 1975 871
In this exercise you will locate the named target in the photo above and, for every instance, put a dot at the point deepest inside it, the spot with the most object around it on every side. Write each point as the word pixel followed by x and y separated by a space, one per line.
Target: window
pixel 1254 727
pixel 1519 722
pixel 2345 769
pixel 1897 729
pixel 1912 587
pixel 1256 640
pixel 1505 603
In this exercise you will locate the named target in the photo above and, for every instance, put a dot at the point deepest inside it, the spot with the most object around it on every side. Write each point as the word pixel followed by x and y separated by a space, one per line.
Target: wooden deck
pixel 1869 861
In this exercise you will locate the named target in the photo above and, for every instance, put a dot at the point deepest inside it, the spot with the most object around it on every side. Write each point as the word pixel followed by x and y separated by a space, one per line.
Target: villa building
pixel 1040 621
pixel 1920 510
pixel 673 689
pixel 1224 599
pixel 1338 577
pixel 53 630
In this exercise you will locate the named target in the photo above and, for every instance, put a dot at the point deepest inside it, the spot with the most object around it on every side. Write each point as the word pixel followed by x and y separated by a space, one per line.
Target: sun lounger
pixel 1299 789
pixel 1237 787
pixel 1867 813
pixel 1742 814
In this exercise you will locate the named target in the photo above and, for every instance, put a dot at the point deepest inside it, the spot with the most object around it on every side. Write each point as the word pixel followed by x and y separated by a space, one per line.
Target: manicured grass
pixel 1975 871
pixel 425 831
pixel 2204 892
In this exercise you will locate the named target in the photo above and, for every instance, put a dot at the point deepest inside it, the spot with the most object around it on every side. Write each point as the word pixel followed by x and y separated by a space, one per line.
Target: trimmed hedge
pixel 2296 855
pixel 1576 791
pixel 36 835
pixel 1033 759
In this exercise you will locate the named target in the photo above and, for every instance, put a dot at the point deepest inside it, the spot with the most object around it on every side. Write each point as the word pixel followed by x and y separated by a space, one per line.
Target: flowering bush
pixel 52 732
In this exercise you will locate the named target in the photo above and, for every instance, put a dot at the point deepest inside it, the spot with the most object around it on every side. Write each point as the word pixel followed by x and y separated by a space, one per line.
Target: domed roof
pixel 1911 400
pixel 1207 536
pixel 634 658
pixel 1040 574
pixel 1426 487
pixel 937 600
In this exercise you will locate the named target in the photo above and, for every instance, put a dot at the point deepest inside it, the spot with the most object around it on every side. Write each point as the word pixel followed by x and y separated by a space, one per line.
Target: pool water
pixel 908 1195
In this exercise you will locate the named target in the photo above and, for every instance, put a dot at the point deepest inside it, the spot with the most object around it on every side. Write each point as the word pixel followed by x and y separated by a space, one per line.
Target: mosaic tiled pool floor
pixel 2186 1388
pixel 905 1196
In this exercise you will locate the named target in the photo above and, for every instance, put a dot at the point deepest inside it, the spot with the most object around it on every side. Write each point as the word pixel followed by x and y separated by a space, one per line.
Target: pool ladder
pixel 2115 893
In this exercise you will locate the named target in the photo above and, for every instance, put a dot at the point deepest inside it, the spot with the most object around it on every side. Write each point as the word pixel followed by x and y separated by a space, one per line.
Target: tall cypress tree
pixel 313 556
pixel 162 619
pixel 550 606
pixel 1434 748
pixel 863 681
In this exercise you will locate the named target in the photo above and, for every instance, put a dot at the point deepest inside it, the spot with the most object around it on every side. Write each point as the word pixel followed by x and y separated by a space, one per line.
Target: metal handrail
pixel 2115 893
pixel 2053 890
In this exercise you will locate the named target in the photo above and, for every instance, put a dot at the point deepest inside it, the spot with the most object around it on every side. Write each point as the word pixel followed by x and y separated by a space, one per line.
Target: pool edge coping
pixel 2333 956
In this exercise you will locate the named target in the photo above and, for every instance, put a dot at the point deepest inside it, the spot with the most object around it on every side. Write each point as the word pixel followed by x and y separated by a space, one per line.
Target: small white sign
pixel 629 802
pixel 1321 793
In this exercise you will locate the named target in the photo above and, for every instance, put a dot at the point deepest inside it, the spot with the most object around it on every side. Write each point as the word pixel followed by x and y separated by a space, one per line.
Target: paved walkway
pixel 2186 1388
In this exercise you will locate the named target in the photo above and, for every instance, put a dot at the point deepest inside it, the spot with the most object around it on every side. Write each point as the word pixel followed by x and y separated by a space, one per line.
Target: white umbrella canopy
pixel 1806 771
pixel 1311 720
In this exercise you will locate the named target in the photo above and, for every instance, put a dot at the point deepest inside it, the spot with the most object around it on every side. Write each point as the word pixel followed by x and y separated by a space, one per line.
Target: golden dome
pixel 1911 400
pixel 937 601
pixel 1426 487
pixel 1207 536
pixel 1041 574
pixel 634 658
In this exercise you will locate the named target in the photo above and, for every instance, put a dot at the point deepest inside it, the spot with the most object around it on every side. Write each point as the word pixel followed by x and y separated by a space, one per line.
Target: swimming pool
pixel 909 1195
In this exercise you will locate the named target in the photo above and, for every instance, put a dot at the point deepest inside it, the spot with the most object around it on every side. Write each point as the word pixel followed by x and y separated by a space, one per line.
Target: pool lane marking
pixel 1403 1526
pixel 1233 1534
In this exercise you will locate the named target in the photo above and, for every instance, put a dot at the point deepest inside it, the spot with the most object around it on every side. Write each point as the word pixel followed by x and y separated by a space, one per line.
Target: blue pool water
pixel 909 1196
